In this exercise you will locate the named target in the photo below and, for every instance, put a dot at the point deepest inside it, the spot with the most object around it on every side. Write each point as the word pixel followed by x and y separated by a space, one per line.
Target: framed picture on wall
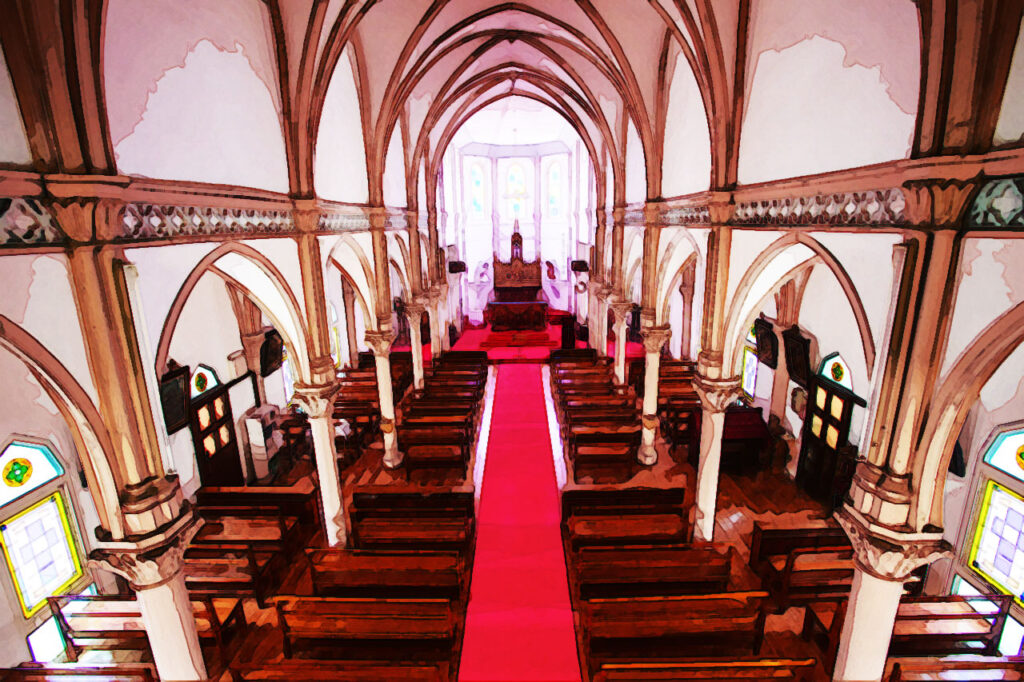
pixel 271 353
pixel 174 398
pixel 798 356
pixel 767 343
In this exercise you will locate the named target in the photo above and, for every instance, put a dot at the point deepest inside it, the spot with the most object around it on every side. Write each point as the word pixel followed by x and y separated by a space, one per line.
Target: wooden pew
pixel 925 626
pixel 743 668
pixel 722 625
pixel 264 528
pixel 298 500
pixel 366 629
pixel 434 519
pixel 651 570
pixel 808 575
pixel 768 544
pixel 945 668
pixel 624 516
pixel 298 670
pixel 73 672
pixel 383 573
pixel 226 570
pixel 102 623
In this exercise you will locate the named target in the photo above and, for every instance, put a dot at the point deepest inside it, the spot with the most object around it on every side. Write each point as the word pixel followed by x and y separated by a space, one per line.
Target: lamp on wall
pixel 456 266
pixel 580 266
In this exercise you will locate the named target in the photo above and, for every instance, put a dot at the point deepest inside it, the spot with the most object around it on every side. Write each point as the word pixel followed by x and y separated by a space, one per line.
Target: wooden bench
pixel 366 629
pixel 624 516
pixel 638 628
pixel 298 500
pixel 945 668
pixel 651 570
pixel 809 574
pixel 755 669
pixel 767 544
pixel 298 670
pixel 102 623
pixel 382 573
pixel 262 528
pixel 438 519
pixel 232 570
pixel 72 672
pixel 925 626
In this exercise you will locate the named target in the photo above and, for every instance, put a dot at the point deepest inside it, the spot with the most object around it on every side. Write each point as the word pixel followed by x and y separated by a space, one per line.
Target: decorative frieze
pixel 872 207
pixel 688 215
pixel 1000 203
pixel 151 221
pixel 336 221
pixel 25 221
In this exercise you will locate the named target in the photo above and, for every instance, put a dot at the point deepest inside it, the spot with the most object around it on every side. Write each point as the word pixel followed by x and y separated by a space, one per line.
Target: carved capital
pixel 716 394
pixel 152 561
pixel 380 340
pixel 938 203
pixel 414 310
pixel 316 400
pixel 621 309
pixel 655 338
pixel 886 554
pixel 720 207
pixel 306 215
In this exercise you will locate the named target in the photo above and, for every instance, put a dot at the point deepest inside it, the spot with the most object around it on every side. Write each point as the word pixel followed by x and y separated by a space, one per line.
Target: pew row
pixel 743 668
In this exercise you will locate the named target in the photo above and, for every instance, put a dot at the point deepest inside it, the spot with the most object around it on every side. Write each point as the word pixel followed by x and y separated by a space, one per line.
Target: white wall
pixel 340 164
pixel 686 165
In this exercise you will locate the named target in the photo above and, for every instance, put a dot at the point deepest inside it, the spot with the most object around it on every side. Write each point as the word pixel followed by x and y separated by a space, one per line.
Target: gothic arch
pixel 735 327
pixel 297 342
pixel 950 405
pixel 87 429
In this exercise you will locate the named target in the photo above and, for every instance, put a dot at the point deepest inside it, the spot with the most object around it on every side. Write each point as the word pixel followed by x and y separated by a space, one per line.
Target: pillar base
pixel 647 455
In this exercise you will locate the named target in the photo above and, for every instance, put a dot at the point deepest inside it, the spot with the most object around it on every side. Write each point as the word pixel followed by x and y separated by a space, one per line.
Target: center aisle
pixel 519 624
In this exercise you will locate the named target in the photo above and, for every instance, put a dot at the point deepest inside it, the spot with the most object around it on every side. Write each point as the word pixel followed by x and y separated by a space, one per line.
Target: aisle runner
pixel 519 625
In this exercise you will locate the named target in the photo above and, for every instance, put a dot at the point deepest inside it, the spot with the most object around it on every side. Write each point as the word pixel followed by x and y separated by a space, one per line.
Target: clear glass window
pixel 40 551
pixel 749 372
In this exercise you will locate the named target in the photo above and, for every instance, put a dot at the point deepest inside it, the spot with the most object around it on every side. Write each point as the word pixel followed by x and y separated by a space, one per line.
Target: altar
pixel 517 286
pixel 517 315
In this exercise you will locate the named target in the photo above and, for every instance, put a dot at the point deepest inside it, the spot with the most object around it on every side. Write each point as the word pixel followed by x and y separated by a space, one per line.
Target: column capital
pixel 937 203
pixel 655 338
pixel 415 308
pixel 716 394
pixel 153 560
pixel 380 340
pixel 889 555
pixel 621 308
pixel 316 399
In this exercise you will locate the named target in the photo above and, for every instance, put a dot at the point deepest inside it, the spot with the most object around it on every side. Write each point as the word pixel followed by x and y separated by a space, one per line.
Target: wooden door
pixel 213 434
pixel 823 466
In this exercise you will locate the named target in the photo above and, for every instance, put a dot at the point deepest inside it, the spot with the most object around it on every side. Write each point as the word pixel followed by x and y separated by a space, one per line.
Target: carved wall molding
pixel 687 215
pixel 25 221
pixel 887 555
pixel 151 221
pixel 339 221
pixel 871 207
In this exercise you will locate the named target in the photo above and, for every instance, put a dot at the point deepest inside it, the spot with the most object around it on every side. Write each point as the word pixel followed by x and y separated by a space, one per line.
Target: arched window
pixel 287 375
pixel 749 383
pixel 477 195
pixel 515 190
pixel 555 189
pixel 40 538
pixel 335 335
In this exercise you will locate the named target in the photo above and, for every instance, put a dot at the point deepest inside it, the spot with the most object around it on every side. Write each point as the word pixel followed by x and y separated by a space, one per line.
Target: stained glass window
pixel 335 335
pixel 40 551
pixel 556 194
pixel 1006 453
pixel 203 379
pixel 997 552
pixel 835 368
pixel 286 375
pixel 477 194
pixel 515 190
pixel 25 467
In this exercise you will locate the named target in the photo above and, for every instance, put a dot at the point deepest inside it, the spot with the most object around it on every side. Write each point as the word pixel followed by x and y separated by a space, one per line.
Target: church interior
pixel 592 340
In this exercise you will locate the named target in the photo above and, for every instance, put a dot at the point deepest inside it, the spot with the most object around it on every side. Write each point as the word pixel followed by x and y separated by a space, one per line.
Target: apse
pixel 518 165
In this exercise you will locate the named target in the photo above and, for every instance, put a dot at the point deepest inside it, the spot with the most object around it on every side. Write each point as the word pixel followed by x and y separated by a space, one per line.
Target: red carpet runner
pixel 519 625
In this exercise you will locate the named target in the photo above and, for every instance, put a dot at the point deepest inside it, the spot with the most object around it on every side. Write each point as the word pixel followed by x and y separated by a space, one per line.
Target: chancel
pixel 444 340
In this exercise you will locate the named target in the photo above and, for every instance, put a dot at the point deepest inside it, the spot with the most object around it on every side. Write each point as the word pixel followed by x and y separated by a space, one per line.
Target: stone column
pixel 884 559
pixel 434 297
pixel 715 396
pixel 318 403
pixel 251 346
pixel 155 570
pixel 621 310
pixel 414 311
pixel 654 340
pixel 348 297
pixel 380 341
